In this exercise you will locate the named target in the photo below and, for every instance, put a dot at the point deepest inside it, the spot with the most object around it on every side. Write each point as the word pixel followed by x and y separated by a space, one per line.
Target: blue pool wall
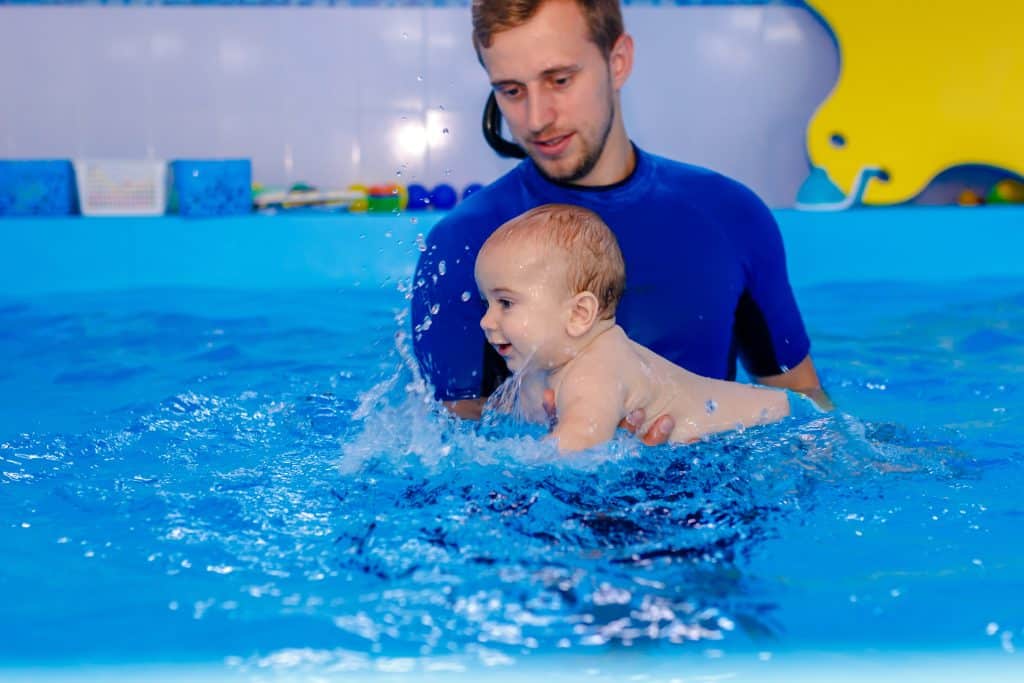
pixel 40 256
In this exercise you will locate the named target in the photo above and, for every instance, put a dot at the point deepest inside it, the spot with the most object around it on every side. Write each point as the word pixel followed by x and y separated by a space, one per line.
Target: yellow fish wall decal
pixel 923 86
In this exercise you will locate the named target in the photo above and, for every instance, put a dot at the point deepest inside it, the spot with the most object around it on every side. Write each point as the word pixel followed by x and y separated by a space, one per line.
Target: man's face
pixel 555 90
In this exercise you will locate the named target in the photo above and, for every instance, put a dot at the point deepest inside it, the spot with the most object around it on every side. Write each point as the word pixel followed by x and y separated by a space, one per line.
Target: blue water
pixel 256 481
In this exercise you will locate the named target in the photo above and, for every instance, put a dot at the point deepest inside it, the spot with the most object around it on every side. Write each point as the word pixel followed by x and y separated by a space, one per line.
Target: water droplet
pixel 710 406
pixel 419 78
pixel 388 234
pixel 421 244
pixel 414 220
pixel 447 171
pixel 444 131
pixel 441 107
pixel 435 309
pixel 466 296
pixel 405 36
pixel 398 172
pixel 442 267
pixel 427 322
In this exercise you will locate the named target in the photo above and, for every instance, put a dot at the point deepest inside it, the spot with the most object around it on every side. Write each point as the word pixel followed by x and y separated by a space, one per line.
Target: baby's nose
pixel 485 322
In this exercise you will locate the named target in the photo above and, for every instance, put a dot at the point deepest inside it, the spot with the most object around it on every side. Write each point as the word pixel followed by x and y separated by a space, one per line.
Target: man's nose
pixel 540 111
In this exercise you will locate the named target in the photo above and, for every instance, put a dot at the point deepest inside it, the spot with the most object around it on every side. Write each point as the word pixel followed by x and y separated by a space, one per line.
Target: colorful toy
pixel 969 198
pixel 443 197
pixel 383 199
pixel 403 196
pixel 419 197
pixel 303 195
pixel 363 203
pixel 470 189
pixel 1006 192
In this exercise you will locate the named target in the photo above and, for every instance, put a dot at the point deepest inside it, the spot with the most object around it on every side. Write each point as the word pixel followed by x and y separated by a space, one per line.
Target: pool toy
pixel 302 195
pixel 969 198
pixel 419 197
pixel 1006 192
pixel 361 204
pixel 403 196
pixel 443 197
pixel 471 188
pixel 922 88
pixel 383 199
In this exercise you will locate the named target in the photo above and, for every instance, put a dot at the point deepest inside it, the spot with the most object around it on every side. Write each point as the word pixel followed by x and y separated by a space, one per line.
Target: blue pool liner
pixel 37 188
pixel 208 187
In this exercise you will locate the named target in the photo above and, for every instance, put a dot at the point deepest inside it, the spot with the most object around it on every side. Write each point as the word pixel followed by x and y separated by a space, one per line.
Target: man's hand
pixel 467 409
pixel 655 436
pixel 659 432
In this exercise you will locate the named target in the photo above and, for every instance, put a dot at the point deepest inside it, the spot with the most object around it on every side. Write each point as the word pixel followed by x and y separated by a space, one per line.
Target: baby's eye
pixel 505 303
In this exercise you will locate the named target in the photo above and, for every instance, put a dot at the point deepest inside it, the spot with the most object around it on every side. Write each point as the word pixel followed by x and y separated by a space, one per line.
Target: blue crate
pixel 37 188
pixel 212 187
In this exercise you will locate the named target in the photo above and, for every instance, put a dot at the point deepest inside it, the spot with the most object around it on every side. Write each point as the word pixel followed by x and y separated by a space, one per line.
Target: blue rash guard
pixel 706 275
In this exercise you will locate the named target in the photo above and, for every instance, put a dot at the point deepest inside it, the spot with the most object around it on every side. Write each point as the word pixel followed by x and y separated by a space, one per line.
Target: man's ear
pixel 583 311
pixel 620 60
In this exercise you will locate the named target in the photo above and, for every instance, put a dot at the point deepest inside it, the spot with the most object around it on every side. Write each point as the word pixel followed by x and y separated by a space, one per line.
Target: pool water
pixel 255 482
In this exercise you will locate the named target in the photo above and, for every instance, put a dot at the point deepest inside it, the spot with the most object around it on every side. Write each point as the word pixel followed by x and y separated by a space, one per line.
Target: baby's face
pixel 528 304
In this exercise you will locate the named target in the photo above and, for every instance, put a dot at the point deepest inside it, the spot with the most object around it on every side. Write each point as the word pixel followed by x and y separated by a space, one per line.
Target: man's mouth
pixel 553 146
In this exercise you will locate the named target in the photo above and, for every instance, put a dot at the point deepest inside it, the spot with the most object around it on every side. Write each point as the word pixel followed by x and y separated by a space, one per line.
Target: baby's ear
pixel 582 314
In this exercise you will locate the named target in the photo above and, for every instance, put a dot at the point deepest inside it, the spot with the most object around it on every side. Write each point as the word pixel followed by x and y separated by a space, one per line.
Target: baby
pixel 552 278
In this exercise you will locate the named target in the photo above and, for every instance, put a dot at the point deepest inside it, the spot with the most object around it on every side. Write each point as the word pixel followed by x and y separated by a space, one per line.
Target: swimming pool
pixel 215 462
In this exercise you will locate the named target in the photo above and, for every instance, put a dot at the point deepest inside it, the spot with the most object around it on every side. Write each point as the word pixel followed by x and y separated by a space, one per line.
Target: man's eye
pixel 562 81
pixel 510 92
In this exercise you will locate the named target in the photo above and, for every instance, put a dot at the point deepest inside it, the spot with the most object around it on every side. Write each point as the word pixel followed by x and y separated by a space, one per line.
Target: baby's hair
pixel 595 262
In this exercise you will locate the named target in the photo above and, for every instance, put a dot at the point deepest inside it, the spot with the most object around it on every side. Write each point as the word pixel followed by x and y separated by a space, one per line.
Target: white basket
pixel 121 188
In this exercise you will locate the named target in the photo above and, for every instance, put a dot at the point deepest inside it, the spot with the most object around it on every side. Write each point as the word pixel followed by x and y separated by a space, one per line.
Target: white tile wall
pixel 340 95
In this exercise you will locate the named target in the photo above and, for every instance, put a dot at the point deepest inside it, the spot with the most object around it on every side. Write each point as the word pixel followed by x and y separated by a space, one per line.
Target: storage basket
pixel 36 188
pixel 121 188
pixel 212 187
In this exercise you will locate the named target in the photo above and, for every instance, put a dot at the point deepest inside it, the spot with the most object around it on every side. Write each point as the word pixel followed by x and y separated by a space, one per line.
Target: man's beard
pixel 590 155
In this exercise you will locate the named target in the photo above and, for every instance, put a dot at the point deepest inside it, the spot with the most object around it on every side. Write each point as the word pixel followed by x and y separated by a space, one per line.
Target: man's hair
pixel 594 261
pixel 603 17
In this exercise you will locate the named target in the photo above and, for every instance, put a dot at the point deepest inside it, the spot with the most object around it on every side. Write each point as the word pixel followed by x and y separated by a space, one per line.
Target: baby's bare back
pixel 700 405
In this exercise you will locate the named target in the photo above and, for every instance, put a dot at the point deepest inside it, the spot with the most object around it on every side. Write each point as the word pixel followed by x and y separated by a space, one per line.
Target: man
pixel 706 274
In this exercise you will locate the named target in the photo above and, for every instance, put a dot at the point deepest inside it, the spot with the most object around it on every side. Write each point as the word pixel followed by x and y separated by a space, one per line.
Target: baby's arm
pixel 590 401
pixel 732 405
